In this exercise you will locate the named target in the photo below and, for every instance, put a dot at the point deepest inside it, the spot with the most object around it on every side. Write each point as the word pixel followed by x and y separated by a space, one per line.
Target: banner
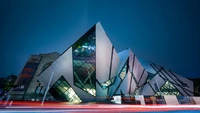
pixel 197 100
pixel 117 99
pixel 183 99
pixel 171 100
pixel 149 100
pixel 160 100
pixel 140 98
pixel 186 100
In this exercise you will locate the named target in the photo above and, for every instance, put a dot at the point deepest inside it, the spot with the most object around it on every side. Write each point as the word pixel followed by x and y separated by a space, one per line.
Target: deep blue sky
pixel 165 32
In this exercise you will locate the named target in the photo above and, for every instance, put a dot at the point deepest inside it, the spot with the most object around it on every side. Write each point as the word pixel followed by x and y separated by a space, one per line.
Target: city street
pixel 101 108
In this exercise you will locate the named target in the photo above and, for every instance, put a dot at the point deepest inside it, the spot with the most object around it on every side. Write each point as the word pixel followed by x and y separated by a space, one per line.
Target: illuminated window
pixel 108 83
pixel 42 90
pixel 84 62
pixel 62 91
pixel 38 89
pixel 123 72
pixel 168 89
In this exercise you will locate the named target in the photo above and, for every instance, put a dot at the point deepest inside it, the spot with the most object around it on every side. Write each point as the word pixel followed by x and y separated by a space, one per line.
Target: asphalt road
pixel 102 108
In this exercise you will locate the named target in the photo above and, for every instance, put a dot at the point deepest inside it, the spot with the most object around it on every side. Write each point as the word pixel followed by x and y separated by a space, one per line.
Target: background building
pixel 28 86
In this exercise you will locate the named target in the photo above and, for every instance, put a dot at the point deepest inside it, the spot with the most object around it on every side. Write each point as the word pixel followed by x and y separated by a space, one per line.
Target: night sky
pixel 165 32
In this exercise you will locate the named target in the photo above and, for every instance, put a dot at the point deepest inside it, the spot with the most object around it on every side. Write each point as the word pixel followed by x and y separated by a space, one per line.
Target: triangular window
pixel 168 89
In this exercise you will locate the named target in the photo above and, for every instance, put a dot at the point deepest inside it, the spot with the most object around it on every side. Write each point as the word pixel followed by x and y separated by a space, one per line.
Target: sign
pixel 183 99
pixel 171 100
pixel 140 98
pixel 148 100
pixel 160 100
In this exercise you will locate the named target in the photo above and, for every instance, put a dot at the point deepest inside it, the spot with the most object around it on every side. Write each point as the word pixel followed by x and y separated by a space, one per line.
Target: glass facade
pixel 123 72
pixel 62 91
pixel 84 62
pixel 168 89
pixel 40 89
pixel 108 83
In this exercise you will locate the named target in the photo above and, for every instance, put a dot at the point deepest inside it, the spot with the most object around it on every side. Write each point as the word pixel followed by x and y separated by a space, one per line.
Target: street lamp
pixel 47 89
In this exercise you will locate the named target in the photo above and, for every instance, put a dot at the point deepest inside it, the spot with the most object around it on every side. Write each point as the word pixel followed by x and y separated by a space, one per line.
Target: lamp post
pixel 8 94
pixel 47 89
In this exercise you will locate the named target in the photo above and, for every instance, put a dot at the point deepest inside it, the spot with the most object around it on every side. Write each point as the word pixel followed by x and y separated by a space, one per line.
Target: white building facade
pixel 92 70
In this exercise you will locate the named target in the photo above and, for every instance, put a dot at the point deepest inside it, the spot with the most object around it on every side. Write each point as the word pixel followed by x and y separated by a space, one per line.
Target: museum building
pixel 91 70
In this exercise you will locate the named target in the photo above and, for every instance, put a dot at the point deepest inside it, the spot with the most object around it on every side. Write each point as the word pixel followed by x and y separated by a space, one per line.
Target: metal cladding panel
pixel 123 58
pixel 184 93
pixel 44 77
pixel 137 69
pixel 163 74
pixel 115 64
pixel 190 93
pixel 100 93
pixel 103 54
pixel 114 86
pixel 123 55
pixel 129 82
pixel 155 67
pixel 147 90
pixel 166 77
pixel 144 78
pixel 174 82
pixel 147 66
pixel 133 86
pixel 124 87
pixel 131 60
pixel 157 80
pixel 183 82
pixel 63 66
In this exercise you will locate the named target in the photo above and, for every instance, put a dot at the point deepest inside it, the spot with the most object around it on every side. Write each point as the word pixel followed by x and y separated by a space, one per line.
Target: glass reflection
pixel 84 62
pixel 62 91
pixel 108 83
pixel 168 89
pixel 123 72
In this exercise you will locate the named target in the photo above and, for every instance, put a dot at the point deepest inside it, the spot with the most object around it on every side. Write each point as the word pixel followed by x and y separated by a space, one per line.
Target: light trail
pixel 63 107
